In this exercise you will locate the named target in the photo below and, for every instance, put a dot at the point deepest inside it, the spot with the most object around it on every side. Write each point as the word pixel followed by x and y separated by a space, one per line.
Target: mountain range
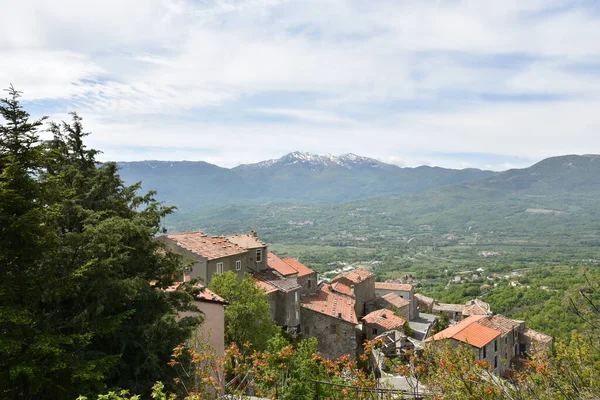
pixel 295 177
pixel 324 198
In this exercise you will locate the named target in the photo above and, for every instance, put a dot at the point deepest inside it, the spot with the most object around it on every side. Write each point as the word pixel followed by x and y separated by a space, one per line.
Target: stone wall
pixel 364 291
pixel 336 337
pixel 287 306
pixel 309 284
pixel 406 295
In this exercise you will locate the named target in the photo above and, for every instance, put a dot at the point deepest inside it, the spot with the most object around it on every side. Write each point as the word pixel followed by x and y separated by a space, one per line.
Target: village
pixel 344 311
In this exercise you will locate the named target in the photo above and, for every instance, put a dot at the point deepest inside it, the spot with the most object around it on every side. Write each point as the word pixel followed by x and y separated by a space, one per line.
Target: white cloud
pixel 385 79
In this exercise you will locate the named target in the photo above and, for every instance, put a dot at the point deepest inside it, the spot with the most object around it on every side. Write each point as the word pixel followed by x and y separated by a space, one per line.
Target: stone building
pixel 476 307
pixel 307 278
pixel 257 249
pixel 330 317
pixel 283 294
pixel 496 339
pixel 390 301
pixel 377 322
pixel 424 303
pixel 215 255
pixel 452 311
pixel 405 291
pixel 362 283
pixel 290 267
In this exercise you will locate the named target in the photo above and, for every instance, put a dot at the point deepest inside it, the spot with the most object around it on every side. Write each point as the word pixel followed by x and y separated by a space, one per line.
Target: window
pixel 258 255
pixel 484 352
pixel 297 297
pixel 495 345
pixel 238 265
pixel 309 283
pixel 496 362
pixel 297 316
pixel 219 268
pixel 374 331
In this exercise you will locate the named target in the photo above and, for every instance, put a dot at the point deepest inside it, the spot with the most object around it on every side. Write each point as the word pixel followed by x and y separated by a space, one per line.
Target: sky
pixel 486 84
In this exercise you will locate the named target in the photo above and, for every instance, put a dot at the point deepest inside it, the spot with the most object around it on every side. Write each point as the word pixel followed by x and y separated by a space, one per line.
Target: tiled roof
pixel 276 280
pixel 335 305
pixel 298 266
pixel 477 335
pixel 208 295
pixel 404 287
pixel 448 307
pixel 384 318
pixel 245 240
pixel 476 307
pixel 205 246
pixel 204 294
pixel 339 287
pixel 424 299
pixel 395 300
pixel 356 275
pixel 268 288
pixel 279 265
pixel 474 333
pixel 500 323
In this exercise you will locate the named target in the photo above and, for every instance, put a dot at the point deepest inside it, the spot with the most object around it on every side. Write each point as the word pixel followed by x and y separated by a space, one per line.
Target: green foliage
pixel 248 315
pixel 77 313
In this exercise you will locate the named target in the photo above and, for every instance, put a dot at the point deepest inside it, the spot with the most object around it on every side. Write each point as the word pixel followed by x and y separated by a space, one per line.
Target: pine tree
pixel 79 314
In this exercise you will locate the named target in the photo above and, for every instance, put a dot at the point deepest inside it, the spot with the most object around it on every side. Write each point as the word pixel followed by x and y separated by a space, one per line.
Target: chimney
pixel 340 315
pixel 352 288
pixel 253 233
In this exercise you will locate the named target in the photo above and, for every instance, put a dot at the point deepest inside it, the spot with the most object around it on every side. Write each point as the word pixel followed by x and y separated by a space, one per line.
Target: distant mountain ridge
pixel 297 177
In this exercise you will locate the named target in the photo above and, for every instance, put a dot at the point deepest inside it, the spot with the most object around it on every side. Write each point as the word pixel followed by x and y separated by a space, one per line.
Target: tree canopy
pixel 77 255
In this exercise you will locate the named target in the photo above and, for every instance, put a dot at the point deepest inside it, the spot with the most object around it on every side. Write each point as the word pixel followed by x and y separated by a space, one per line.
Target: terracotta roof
pixel 205 246
pixel 298 266
pixel 404 287
pixel 245 240
pixel 448 307
pixel 384 318
pixel 210 296
pixel 424 299
pixel 335 305
pixel 273 280
pixel 455 329
pixel 339 287
pixel 356 275
pixel 204 294
pixel 395 300
pixel 537 336
pixel 279 265
pixel 268 288
pixel 500 323
pixel 476 307
pixel 477 335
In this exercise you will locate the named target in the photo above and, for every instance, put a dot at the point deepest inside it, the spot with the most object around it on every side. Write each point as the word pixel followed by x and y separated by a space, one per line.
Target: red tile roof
pixel 279 265
pixel 384 318
pixel 356 275
pixel 339 287
pixel 469 330
pixel 395 300
pixel 424 299
pixel 272 280
pixel 268 288
pixel 500 323
pixel 298 266
pixel 245 240
pixel 204 293
pixel 476 307
pixel 477 335
pixel 205 246
pixel 404 287
pixel 335 305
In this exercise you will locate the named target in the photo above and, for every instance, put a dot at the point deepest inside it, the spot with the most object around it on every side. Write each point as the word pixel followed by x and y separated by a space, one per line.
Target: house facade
pixel 362 284
pixel 377 322
pixel 493 338
pixel 330 317
pixel 405 291
pixel 390 301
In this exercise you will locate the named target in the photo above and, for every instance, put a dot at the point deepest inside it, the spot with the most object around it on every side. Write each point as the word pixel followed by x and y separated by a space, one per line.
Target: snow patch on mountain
pixel 319 161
